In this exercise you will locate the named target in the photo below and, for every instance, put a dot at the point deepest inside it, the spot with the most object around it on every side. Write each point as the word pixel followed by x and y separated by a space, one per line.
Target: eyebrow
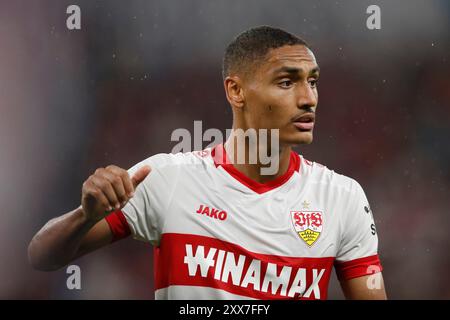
pixel 295 70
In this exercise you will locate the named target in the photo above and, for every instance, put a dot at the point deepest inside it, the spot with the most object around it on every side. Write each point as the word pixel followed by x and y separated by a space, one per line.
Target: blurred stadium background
pixel 113 92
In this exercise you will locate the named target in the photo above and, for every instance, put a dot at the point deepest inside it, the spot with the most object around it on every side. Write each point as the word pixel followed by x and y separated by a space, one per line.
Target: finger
pixel 140 175
pixel 117 184
pixel 129 188
pixel 92 192
pixel 126 180
pixel 107 189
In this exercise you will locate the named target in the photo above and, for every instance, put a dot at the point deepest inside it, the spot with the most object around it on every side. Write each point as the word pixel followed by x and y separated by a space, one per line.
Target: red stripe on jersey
pixel 118 225
pixel 220 158
pixel 358 267
pixel 192 260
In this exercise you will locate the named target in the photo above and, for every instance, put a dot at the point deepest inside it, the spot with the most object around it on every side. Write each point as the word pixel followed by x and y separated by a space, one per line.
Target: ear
pixel 234 91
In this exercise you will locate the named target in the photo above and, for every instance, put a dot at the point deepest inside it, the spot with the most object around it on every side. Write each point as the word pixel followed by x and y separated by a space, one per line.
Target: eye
pixel 286 84
pixel 313 83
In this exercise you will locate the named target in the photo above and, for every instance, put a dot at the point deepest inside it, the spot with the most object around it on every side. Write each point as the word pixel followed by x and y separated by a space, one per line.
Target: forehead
pixel 290 56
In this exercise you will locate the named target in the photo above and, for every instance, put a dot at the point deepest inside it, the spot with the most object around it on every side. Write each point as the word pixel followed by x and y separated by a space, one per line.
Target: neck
pixel 239 149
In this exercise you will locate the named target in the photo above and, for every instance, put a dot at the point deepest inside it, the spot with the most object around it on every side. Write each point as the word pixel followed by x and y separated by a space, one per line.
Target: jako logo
pixel 212 213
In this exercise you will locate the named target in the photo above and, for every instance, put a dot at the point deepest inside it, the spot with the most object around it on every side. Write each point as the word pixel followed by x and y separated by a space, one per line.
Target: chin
pixel 297 138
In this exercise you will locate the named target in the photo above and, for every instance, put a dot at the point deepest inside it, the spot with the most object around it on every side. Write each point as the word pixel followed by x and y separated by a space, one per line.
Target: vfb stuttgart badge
pixel 308 225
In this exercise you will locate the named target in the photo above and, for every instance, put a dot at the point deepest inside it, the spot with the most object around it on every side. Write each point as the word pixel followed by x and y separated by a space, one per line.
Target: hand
pixel 109 189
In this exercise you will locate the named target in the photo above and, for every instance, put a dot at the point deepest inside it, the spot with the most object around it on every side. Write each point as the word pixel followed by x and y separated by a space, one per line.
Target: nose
pixel 306 97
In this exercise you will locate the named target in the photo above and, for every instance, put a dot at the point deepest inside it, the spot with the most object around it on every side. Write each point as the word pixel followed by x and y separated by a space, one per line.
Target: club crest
pixel 308 225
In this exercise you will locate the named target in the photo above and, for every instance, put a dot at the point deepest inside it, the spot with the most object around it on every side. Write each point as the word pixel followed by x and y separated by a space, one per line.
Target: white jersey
pixel 220 235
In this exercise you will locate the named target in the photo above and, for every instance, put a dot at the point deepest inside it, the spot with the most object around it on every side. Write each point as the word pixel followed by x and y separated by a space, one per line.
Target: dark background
pixel 113 92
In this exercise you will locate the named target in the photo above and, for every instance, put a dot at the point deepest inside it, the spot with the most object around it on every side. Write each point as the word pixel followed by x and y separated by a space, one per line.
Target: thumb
pixel 140 175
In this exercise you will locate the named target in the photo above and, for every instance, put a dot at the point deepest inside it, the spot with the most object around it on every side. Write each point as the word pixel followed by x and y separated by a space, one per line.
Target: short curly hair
pixel 252 45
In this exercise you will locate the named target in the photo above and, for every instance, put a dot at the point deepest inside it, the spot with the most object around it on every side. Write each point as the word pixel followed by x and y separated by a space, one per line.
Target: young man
pixel 222 229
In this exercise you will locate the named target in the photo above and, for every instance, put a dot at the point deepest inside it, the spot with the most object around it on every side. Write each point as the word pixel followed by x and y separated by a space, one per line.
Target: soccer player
pixel 220 228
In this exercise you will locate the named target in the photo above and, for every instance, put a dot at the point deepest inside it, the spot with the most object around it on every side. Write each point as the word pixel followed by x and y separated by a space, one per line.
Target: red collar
pixel 220 158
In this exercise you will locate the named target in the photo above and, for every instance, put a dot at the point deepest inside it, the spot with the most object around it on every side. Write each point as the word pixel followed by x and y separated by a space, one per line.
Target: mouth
pixel 305 122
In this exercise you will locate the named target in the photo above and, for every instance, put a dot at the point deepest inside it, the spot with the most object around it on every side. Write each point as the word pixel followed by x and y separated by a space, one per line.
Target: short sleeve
pixel 145 212
pixel 358 250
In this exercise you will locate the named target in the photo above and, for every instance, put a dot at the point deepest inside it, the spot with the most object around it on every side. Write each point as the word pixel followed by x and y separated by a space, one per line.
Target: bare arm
pixel 84 229
pixel 369 287
pixel 66 238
